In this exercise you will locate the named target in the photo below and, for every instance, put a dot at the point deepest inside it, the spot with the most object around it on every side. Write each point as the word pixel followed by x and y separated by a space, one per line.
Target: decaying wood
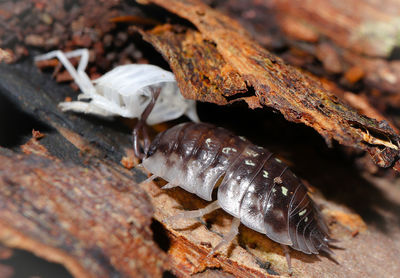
pixel 199 67
pixel 363 33
pixel 94 219
pixel 83 210
pixel 298 97
pixel 77 140
pixel 355 40
pixel 90 220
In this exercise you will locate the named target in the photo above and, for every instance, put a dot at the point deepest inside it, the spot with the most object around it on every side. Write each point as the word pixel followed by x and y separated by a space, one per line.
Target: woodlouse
pixel 252 184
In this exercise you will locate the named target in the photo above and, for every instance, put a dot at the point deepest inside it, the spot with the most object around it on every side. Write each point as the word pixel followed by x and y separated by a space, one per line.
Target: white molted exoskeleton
pixel 125 91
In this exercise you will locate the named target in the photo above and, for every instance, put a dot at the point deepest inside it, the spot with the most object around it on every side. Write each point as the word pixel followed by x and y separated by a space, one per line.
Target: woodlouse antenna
pixel 141 127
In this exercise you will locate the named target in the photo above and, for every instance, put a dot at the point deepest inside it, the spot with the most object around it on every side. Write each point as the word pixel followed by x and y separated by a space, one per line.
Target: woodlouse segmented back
pixel 252 184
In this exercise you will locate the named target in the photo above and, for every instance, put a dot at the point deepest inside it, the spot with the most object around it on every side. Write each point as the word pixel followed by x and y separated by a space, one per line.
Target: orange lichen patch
pixel 354 74
pixel 129 160
pixel 353 222
pixel 67 99
pixel 51 63
pixel 37 134
pixel 34 147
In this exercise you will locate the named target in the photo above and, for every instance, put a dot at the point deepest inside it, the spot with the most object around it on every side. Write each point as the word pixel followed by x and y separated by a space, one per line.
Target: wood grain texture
pixel 95 220
pixel 297 96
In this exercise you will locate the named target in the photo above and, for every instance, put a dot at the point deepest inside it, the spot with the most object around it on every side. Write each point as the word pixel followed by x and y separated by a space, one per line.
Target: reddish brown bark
pixel 94 220
pixel 297 96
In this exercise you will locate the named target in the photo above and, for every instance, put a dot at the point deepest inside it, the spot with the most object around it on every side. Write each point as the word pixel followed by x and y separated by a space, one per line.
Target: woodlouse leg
pixel 228 237
pixel 169 186
pixel 152 177
pixel 286 251
pixel 141 127
pixel 194 213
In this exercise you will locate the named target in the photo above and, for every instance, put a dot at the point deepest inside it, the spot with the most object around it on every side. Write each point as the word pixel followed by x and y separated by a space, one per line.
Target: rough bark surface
pixel 353 43
pixel 198 66
pixel 66 197
pixel 362 33
pixel 297 96
pixel 95 220
pixel 54 222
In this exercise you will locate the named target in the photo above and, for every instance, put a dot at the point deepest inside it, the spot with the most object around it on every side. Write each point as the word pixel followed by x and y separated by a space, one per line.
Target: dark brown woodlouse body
pixel 253 185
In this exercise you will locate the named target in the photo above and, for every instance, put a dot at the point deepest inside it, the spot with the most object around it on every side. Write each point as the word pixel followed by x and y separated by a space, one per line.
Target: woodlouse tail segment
pixel 140 128
pixel 326 249
pixel 329 240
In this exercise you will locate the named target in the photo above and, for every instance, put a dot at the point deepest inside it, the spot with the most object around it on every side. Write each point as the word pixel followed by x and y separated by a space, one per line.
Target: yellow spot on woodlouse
pixel 252 153
pixel 302 212
pixel 227 150
pixel 208 141
pixel 306 219
pixel 249 162
pixel 284 190
pixel 278 160
pixel 265 174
